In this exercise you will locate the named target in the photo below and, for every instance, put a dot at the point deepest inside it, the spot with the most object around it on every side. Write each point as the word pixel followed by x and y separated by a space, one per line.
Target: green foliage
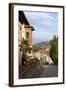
pixel 24 48
pixel 54 49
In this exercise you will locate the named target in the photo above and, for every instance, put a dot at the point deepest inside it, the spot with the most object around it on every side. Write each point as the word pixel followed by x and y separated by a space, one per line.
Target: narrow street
pixel 47 71
pixel 41 72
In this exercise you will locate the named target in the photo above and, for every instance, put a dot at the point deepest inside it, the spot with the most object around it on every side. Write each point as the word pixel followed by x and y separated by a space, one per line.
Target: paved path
pixel 44 71
pixel 47 71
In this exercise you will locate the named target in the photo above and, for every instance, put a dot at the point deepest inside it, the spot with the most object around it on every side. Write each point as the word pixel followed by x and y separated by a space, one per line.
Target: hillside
pixel 41 45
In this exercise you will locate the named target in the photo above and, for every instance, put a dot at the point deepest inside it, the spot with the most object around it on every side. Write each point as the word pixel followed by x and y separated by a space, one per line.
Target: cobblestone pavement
pixel 43 71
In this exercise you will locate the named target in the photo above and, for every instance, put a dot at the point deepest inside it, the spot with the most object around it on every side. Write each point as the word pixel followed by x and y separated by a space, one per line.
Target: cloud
pixel 35 17
pixel 44 23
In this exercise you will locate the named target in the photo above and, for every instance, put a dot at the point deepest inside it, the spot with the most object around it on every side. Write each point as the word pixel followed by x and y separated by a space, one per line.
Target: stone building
pixel 24 32
pixel 43 55
pixel 46 56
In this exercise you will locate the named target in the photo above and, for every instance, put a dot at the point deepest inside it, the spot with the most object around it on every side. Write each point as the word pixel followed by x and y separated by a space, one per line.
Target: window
pixel 30 50
pixel 27 35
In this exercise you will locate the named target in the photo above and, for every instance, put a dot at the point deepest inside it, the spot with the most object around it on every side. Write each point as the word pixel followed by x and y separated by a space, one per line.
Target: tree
pixel 25 49
pixel 54 49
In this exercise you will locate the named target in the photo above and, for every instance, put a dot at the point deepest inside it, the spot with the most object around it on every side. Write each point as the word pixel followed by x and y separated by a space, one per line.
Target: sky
pixel 45 25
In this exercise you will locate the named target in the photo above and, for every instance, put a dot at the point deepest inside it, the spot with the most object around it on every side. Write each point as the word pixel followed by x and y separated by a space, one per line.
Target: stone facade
pixel 25 32
pixel 46 56
pixel 43 56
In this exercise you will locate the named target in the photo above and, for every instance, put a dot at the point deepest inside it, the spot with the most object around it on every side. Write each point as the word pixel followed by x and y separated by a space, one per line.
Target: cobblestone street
pixel 41 72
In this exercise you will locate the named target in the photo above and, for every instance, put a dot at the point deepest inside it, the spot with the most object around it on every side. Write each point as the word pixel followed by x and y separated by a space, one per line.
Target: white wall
pixel 4 54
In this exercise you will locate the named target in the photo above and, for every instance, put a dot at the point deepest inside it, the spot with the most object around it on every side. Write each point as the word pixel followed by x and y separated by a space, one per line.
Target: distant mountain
pixel 42 44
